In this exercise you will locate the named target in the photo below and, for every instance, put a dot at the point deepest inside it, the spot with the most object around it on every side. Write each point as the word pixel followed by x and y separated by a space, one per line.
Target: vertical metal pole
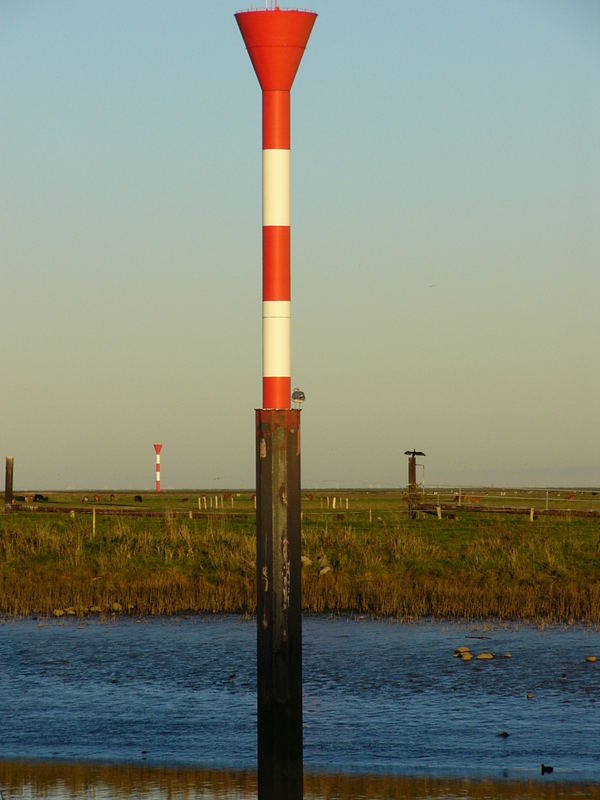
pixel 412 486
pixel 8 483
pixel 412 472
pixel 279 605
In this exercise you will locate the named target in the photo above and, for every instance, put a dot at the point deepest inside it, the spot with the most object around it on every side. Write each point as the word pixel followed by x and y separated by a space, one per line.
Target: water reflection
pixel 83 781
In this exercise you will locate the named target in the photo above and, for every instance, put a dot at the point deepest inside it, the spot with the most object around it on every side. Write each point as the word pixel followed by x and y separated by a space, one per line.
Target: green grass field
pixel 368 558
pixel 586 500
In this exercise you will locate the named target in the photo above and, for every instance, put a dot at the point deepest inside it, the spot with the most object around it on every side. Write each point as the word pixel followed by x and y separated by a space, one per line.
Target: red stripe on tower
pixel 275 40
pixel 158 448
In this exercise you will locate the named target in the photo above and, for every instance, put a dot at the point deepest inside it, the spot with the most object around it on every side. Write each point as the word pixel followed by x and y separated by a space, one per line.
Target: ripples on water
pixel 70 782
pixel 380 700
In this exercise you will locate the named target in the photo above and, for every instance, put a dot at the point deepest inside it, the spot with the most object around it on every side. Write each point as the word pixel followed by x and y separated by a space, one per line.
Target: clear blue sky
pixel 445 255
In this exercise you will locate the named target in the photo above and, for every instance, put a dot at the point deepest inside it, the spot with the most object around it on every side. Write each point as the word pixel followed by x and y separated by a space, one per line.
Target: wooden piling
pixel 412 486
pixel 279 608
pixel 8 483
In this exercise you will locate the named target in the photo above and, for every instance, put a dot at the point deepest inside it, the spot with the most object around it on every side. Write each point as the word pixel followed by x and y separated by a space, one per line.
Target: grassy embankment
pixel 379 563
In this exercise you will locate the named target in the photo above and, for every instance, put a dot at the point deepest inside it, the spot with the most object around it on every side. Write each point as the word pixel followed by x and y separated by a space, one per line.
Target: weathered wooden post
pixel 8 483
pixel 412 481
pixel 279 606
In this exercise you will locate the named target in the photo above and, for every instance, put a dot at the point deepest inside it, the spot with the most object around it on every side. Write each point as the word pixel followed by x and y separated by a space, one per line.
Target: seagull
pixel 298 396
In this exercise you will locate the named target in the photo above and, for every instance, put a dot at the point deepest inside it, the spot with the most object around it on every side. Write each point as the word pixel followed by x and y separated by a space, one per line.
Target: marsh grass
pixel 471 567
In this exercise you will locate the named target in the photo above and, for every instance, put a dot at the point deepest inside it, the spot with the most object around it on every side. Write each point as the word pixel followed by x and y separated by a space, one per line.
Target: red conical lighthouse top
pixel 275 40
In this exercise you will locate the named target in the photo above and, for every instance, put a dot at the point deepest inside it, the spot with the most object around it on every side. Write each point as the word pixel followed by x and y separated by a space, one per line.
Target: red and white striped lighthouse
pixel 275 40
pixel 158 448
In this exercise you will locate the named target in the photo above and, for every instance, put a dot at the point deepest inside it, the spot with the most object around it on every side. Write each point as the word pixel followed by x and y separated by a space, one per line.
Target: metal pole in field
pixel 158 448
pixel 275 40
pixel 8 483
pixel 412 472
pixel 412 480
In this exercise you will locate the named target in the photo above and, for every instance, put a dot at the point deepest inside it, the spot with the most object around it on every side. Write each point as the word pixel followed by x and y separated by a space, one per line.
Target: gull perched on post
pixel 298 397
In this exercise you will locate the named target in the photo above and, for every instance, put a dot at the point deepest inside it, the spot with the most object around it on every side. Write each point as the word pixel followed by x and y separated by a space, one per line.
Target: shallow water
pixel 123 782
pixel 381 700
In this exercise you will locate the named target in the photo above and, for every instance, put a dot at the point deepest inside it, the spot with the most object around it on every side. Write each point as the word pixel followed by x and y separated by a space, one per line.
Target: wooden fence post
pixel 8 483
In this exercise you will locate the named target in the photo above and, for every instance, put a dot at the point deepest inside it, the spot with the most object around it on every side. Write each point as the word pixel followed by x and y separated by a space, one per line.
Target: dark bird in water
pixel 547 769
pixel 504 735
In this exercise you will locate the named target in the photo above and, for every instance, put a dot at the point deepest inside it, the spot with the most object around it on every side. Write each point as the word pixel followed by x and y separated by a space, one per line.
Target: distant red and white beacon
pixel 158 448
pixel 276 39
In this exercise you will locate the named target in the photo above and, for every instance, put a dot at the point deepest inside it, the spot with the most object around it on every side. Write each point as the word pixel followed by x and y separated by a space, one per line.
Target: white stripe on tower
pixel 276 338
pixel 276 187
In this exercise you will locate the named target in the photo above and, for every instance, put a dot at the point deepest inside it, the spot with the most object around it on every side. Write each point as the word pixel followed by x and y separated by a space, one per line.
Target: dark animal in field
pixel 40 498
pixel 112 498
pixel 138 498
pixel 85 499
pixel 96 498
